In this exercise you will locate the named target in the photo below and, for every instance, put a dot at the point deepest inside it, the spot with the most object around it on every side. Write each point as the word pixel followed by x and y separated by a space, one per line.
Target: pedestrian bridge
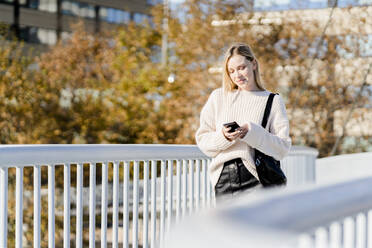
pixel 137 195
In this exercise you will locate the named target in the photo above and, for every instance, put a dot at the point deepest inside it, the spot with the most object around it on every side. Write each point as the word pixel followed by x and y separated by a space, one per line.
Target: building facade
pixel 46 21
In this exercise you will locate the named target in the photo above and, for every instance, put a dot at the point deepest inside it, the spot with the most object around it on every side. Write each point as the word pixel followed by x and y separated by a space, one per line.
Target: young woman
pixel 242 98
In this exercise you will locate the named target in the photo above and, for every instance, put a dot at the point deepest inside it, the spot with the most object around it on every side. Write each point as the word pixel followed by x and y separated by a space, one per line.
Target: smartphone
pixel 233 126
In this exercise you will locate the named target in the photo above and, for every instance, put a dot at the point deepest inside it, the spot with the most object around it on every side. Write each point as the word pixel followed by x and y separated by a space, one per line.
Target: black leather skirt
pixel 234 178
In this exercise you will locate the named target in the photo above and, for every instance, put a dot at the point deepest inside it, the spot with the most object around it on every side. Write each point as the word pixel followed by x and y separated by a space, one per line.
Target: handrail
pixel 300 210
pixel 27 155
pixel 279 215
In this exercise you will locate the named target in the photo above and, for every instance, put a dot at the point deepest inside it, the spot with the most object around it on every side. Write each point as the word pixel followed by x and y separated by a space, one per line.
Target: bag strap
pixel 269 103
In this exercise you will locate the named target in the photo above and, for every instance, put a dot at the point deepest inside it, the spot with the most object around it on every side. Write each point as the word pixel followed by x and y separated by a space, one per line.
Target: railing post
pixel 366 228
pixel 3 206
pixel 19 207
pixel 170 193
pixel 79 206
pixel 162 202
pixel 198 185
pixel 66 205
pixel 126 205
pixel 205 182
pixel 178 194
pixel 51 210
pixel 209 187
pixel 153 203
pixel 135 204
pixel 92 205
pixel 104 205
pixel 145 203
pixel 191 185
pixel 37 205
pixel 115 214
pixel 184 187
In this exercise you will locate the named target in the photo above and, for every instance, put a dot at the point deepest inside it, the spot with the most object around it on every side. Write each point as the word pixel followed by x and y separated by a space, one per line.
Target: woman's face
pixel 241 72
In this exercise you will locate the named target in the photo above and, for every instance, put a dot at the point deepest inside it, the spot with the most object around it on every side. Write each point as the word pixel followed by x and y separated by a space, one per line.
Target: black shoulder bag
pixel 268 169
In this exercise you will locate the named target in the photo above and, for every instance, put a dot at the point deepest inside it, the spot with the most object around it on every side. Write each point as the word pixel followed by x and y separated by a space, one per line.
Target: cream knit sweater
pixel 242 107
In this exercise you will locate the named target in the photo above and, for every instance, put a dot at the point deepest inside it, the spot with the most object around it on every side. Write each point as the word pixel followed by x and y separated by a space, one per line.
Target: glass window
pixel 38 35
pixel 47 36
pixel 110 15
pixel 77 9
pixel 91 13
pixel 103 13
pixel 139 18
pixel 86 10
pixel 32 35
pixel 23 33
pixel 125 16
pixel 48 5
pixel 114 15
pixel 153 2
pixel 74 8
pixel 66 8
pixel 34 4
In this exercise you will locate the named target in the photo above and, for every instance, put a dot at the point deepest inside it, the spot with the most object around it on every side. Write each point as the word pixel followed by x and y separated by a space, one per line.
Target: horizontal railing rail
pixel 153 186
pixel 337 215
pixel 29 155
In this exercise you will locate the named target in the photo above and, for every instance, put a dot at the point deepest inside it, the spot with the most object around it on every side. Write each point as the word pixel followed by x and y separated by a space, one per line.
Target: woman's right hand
pixel 230 136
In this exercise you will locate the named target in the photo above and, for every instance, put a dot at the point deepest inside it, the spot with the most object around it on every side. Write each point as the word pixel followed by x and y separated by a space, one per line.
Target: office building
pixel 46 21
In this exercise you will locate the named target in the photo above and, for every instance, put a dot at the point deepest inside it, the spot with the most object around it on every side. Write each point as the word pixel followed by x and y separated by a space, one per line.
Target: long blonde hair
pixel 243 50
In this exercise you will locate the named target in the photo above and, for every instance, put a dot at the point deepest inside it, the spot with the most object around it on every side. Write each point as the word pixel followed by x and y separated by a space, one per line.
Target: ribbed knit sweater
pixel 243 107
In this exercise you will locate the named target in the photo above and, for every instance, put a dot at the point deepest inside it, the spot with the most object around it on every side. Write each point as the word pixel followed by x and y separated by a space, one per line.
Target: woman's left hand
pixel 243 130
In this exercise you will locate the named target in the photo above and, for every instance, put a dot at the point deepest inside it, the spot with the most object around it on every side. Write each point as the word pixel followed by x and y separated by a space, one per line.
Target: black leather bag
pixel 268 169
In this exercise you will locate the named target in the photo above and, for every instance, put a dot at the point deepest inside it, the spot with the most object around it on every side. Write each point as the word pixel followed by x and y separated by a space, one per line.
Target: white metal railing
pixel 337 215
pixel 184 188
pixel 348 166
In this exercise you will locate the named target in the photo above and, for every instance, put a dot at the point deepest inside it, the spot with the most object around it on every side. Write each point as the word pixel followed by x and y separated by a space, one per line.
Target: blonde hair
pixel 246 51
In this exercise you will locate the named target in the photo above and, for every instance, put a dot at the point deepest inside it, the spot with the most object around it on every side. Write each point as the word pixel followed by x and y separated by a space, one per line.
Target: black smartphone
pixel 233 126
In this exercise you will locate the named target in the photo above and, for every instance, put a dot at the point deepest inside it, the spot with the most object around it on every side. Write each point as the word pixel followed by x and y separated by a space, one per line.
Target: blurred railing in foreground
pixel 333 215
pixel 143 168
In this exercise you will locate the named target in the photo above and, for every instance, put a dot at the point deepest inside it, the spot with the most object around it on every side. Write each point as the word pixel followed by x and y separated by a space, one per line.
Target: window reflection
pixel 77 9
pixel 38 35
pixel 43 5
pixel 153 2
pixel 114 15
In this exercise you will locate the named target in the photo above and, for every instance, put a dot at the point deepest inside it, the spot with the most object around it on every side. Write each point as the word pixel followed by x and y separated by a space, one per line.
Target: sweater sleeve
pixel 277 142
pixel 210 141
